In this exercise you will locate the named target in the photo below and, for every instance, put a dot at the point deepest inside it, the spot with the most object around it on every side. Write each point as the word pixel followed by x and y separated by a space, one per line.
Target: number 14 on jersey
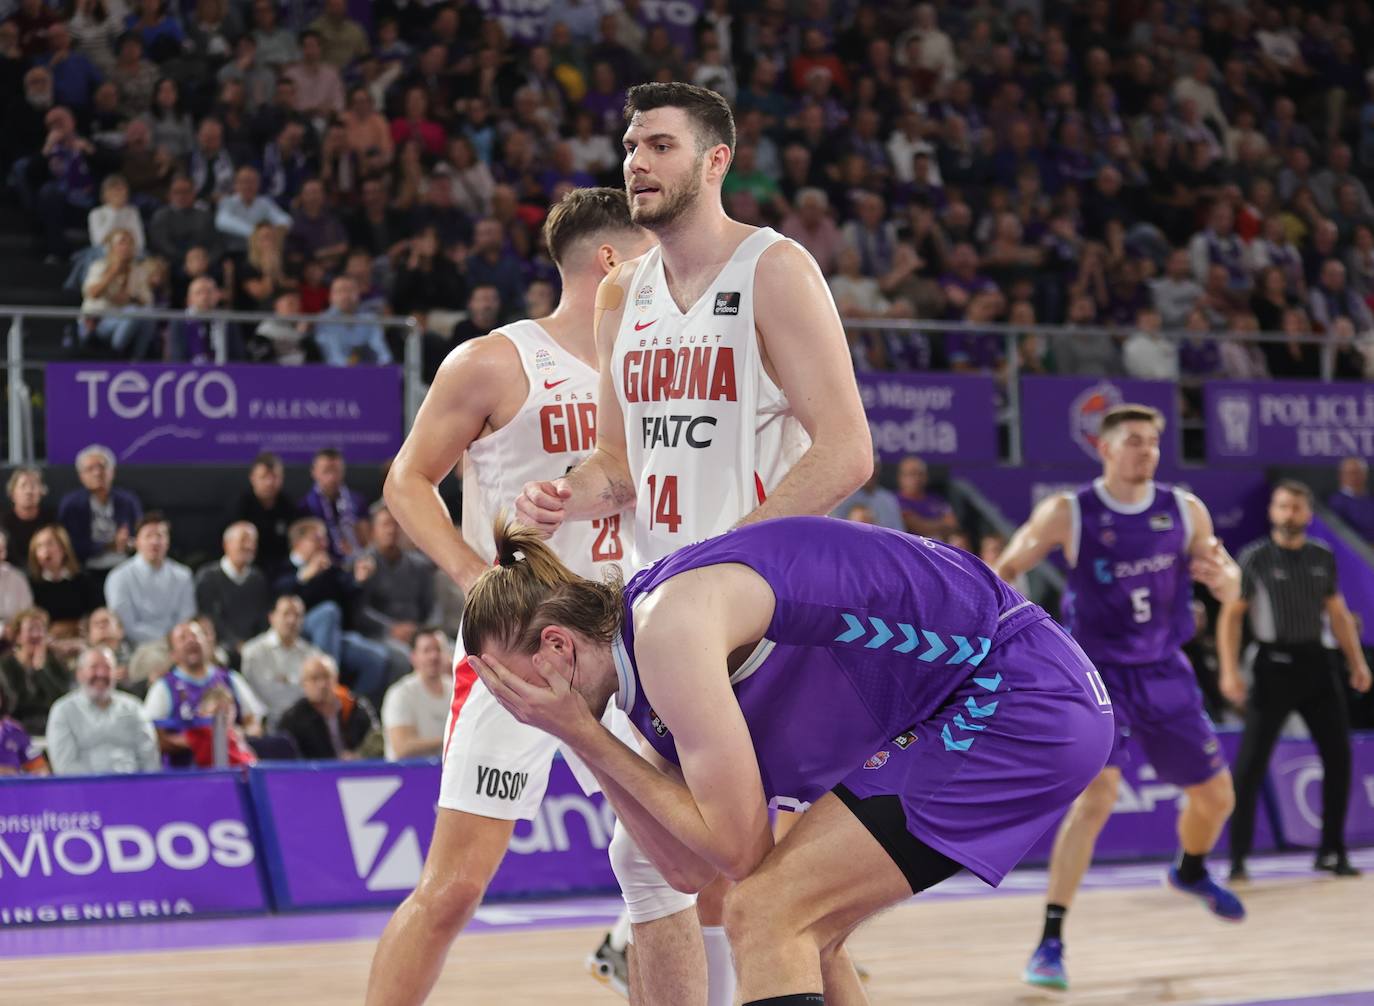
pixel 663 506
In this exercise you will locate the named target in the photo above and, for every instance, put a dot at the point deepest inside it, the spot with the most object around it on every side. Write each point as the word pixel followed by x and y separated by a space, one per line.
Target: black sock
pixel 1191 868
pixel 1054 922
pixel 804 999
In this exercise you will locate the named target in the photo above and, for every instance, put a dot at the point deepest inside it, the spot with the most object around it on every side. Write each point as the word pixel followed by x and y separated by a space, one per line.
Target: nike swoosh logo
pixel 550 385
pixel 640 328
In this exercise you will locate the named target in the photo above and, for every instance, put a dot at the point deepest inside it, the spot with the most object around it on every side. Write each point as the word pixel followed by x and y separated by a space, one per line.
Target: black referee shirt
pixel 1287 590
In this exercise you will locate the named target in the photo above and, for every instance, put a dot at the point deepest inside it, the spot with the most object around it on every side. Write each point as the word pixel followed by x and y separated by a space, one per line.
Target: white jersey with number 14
pixel 708 433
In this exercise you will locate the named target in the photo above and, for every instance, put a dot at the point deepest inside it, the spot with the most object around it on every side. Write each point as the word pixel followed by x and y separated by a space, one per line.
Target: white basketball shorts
pixel 496 766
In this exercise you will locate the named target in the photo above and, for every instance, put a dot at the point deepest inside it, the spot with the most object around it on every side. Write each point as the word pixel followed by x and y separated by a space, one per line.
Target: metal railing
pixel 1013 334
pixel 20 406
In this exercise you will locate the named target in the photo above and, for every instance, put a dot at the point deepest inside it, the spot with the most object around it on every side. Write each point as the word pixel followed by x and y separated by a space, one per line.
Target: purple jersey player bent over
pixel 929 716
pixel 1133 547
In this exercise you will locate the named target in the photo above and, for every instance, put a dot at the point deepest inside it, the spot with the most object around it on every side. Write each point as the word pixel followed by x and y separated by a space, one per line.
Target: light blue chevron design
pixel 911 642
pixel 980 711
pixel 963 724
pixel 855 630
pixel 986 643
pixel 963 653
pixel 951 744
pixel 989 684
pixel 937 646
pixel 881 633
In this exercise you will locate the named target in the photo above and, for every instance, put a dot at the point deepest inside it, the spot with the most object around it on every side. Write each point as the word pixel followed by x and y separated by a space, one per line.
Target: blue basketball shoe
pixel 1219 901
pixel 1046 967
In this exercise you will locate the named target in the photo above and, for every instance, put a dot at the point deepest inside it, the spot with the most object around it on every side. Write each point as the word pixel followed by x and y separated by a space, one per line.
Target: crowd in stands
pixel 317 614
pixel 1169 169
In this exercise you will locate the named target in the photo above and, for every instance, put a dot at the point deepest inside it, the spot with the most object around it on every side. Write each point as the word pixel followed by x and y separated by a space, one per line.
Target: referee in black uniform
pixel 1287 583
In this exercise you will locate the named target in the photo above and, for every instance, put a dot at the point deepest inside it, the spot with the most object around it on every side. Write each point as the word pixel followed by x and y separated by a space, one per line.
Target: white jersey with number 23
pixel 554 431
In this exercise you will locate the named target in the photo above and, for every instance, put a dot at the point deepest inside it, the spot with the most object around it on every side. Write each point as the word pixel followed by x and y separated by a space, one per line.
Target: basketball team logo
pixel 544 363
pixel 877 761
pixel 645 298
pixel 1086 412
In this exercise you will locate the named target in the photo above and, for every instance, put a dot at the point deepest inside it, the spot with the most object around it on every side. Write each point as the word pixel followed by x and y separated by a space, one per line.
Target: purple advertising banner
pixel 1144 824
pixel 528 21
pixel 108 848
pixel 942 417
pixel 358 835
pixel 170 413
pixel 1060 416
pixel 1296 772
pixel 1288 421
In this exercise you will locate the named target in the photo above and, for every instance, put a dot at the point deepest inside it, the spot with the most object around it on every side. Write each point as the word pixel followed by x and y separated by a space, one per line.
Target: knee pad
pixel 648 897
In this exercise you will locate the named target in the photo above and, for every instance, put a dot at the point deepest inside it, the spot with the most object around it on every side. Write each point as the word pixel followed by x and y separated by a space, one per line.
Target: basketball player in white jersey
pixel 727 397
pixel 515 405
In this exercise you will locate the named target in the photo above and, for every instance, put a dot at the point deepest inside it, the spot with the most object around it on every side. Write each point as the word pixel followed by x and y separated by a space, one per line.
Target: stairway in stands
pixel 26 279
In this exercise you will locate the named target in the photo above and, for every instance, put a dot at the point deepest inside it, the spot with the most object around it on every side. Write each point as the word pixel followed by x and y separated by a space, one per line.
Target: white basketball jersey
pixel 708 432
pixel 555 430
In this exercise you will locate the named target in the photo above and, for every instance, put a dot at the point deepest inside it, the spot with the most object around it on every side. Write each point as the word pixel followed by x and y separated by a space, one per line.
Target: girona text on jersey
pixel 692 373
pixel 566 426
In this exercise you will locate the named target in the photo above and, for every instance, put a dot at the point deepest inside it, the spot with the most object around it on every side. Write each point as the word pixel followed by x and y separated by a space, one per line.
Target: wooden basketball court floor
pixel 1309 940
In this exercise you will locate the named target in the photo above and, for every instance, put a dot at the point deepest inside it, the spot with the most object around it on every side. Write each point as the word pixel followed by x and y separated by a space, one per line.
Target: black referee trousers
pixel 1293 678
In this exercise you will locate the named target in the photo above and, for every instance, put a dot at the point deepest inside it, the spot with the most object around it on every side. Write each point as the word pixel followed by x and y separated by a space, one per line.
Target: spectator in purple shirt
pixel 70 194
pixel 18 753
pixel 923 512
pixel 191 340
pixel 343 511
pixel 605 100
pixel 1352 502
pixel 1197 354
pixel 963 282
pixel 974 348
pixel 317 232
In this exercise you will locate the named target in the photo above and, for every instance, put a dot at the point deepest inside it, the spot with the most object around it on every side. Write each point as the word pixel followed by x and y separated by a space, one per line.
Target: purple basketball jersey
pixel 187 693
pixel 872 631
pixel 17 749
pixel 1129 596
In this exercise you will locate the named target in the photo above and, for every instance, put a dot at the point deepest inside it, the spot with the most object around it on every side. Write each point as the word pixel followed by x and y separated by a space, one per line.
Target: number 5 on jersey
pixel 663 508
pixel 1140 604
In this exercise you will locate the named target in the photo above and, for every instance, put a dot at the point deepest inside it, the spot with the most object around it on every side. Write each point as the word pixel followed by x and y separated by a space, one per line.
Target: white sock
pixel 620 932
pixel 720 967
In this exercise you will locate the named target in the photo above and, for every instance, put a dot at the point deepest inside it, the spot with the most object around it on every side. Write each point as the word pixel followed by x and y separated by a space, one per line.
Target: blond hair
pixel 530 589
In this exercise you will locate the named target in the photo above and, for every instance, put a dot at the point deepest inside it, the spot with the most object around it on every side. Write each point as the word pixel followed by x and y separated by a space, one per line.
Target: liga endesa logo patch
pixel 727 303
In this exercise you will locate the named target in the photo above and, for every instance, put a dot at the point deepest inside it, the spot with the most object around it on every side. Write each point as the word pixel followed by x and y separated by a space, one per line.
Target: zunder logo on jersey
pixel 727 303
